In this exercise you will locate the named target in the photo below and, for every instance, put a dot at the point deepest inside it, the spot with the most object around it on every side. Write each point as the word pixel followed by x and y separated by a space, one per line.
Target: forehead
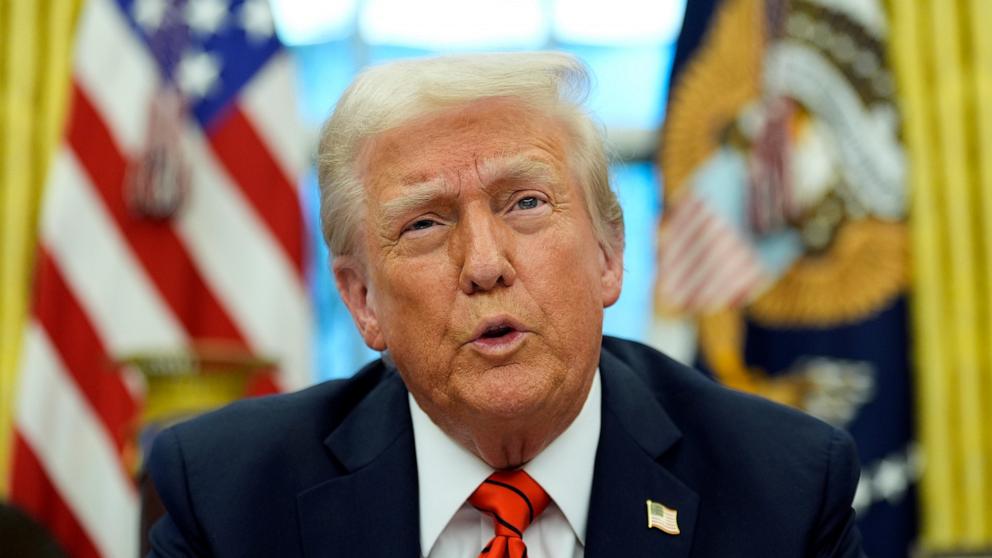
pixel 460 138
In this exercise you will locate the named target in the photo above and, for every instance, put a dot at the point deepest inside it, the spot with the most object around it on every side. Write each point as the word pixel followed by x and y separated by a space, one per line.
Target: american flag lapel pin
pixel 663 518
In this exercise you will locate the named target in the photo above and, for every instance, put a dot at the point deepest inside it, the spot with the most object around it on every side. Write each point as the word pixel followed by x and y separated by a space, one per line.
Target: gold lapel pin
pixel 663 518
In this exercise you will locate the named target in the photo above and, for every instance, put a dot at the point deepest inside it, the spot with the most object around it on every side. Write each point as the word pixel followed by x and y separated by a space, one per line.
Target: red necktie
pixel 514 500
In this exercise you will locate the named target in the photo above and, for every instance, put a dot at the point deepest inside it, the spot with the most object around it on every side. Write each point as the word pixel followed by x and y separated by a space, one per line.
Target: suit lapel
pixel 636 431
pixel 372 509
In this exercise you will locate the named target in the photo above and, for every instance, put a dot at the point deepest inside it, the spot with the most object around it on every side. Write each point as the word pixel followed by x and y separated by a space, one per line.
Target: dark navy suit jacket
pixel 331 471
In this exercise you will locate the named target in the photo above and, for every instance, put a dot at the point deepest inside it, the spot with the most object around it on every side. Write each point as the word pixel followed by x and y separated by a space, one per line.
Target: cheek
pixel 417 297
pixel 567 258
pixel 563 279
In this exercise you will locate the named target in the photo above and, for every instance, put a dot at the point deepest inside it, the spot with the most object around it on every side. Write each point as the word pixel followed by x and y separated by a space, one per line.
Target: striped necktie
pixel 514 500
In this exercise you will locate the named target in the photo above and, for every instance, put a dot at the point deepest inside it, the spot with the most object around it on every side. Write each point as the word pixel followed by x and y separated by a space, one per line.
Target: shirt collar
pixel 565 468
pixel 449 473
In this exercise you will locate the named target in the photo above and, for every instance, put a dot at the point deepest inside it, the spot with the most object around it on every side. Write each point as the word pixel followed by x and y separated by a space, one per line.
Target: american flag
pixel 171 216
pixel 663 518
pixel 704 263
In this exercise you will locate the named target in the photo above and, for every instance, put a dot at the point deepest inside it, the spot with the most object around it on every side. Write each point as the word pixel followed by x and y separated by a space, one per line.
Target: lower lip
pixel 501 345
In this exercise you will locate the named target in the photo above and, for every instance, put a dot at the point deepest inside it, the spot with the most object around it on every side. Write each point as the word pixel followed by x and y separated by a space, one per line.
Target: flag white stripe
pixel 691 266
pixel 716 245
pixel 721 272
pixel 115 69
pixel 681 229
pixel 708 272
pixel 273 86
pixel 673 251
pixel 119 76
pixel 727 279
pixel 744 279
pixel 680 257
pixel 110 284
pixel 680 286
pixel 685 234
pixel 79 457
pixel 217 217
pixel 281 326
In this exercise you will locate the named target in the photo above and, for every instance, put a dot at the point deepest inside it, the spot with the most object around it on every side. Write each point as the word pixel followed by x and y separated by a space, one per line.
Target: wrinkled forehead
pixel 462 136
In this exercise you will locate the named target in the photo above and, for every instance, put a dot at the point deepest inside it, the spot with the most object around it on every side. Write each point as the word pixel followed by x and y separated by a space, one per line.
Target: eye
pixel 421 224
pixel 529 202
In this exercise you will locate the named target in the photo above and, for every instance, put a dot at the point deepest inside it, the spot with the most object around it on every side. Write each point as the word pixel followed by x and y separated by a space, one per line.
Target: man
pixel 476 242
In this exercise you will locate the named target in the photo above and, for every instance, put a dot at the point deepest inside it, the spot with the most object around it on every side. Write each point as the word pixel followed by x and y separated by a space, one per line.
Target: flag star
pixel 205 17
pixel 890 479
pixel 197 74
pixel 150 13
pixel 862 495
pixel 256 19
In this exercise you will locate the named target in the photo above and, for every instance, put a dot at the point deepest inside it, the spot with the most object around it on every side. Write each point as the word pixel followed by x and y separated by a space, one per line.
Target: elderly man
pixel 476 243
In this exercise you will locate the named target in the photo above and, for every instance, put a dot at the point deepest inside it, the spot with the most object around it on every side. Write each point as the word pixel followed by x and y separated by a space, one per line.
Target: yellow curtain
pixel 942 52
pixel 35 45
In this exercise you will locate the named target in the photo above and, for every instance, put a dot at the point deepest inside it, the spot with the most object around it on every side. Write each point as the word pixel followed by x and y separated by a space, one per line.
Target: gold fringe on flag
pixel 35 45
pixel 942 53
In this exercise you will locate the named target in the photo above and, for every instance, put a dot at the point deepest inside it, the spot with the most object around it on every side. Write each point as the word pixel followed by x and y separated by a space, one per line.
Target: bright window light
pixel 445 25
pixel 300 22
pixel 617 22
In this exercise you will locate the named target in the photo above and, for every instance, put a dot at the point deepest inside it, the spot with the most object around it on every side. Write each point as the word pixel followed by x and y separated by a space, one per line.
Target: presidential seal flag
pixel 171 218
pixel 783 247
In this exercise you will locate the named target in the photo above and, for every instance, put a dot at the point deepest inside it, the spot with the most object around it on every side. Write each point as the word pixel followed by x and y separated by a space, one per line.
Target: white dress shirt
pixel 448 474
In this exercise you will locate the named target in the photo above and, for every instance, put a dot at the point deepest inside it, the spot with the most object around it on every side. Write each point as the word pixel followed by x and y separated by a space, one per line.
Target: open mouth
pixel 498 335
pixel 496 332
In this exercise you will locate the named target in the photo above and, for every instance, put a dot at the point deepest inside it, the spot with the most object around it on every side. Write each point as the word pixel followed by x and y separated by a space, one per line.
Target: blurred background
pixel 807 190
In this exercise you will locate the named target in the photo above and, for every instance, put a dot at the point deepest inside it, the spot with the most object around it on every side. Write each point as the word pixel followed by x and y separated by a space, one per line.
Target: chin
pixel 510 392
pixel 508 407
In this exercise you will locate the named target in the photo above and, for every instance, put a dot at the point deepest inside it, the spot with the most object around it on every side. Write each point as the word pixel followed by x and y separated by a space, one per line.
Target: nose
pixel 485 245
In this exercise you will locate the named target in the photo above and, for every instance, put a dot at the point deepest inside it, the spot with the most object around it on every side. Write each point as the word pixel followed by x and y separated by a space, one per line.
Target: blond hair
pixel 385 97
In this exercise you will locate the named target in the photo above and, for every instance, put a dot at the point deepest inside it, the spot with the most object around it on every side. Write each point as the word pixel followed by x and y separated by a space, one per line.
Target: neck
pixel 504 443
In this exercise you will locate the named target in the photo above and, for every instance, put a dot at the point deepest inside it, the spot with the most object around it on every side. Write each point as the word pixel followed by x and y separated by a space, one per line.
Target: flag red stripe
pixel 682 225
pixel 710 270
pixel 729 265
pixel 81 350
pixel 747 270
pixel 735 282
pixel 33 492
pixel 155 244
pixel 262 384
pixel 687 267
pixel 698 267
pixel 243 153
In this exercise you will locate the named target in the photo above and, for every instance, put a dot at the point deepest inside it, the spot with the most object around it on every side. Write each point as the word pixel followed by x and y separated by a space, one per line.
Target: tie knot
pixel 513 498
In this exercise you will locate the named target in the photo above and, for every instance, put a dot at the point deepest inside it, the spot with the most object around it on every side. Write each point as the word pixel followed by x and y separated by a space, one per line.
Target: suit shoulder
pixel 703 408
pixel 275 423
pixel 739 451
pixel 215 473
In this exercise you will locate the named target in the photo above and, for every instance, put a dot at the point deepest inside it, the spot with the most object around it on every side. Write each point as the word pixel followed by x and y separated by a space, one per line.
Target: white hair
pixel 385 97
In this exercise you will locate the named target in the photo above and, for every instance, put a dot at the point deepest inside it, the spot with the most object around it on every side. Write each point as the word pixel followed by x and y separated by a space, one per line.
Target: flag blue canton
pixel 207 49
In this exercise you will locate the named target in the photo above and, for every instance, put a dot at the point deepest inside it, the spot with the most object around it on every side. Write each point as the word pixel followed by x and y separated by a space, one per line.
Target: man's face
pixel 481 273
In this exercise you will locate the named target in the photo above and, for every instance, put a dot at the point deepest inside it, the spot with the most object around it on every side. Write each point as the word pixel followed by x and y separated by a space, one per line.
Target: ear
pixel 353 286
pixel 611 266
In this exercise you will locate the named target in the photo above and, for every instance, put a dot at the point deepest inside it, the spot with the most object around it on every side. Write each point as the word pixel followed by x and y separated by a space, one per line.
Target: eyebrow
pixel 416 194
pixel 516 168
